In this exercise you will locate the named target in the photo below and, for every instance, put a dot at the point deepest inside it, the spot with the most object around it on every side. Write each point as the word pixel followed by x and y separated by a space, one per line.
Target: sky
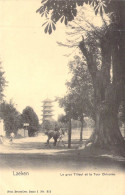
pixel 35 66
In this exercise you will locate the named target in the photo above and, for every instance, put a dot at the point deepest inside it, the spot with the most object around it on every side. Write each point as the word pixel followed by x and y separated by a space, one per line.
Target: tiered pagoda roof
pixel 47 109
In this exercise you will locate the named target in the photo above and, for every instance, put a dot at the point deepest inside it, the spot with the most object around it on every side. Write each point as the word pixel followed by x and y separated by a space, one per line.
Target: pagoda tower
pixel 47 111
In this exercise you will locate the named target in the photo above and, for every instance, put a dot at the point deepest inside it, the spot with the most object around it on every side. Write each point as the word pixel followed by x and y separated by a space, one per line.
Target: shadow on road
pixel 35 155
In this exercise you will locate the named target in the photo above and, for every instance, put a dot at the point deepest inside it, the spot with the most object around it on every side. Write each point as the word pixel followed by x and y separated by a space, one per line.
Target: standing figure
pixel 12 135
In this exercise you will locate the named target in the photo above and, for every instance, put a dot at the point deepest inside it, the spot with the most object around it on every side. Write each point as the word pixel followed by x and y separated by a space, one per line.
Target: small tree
pixel 10 116
pixel 30 117
pixel 67 103
pixel 2 83
pixel 80 86
pixel 79 101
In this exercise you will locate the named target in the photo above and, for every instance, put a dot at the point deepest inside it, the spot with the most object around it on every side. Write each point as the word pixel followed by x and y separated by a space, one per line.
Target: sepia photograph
pixel 62 97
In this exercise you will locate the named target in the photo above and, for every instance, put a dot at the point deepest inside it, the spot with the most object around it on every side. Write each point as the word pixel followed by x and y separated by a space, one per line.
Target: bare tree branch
pixel 66 45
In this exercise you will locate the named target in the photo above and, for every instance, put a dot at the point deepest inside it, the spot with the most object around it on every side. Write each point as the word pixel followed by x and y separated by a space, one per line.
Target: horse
pixel 56 135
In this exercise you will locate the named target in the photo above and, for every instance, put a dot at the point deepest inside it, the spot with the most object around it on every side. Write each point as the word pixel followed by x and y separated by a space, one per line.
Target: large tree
pixel 109 89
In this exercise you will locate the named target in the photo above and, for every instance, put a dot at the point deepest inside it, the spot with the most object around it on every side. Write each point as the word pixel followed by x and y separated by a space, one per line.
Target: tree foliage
pixel 2 83
pixel 79 99
pixel 11 117
pixel 66 10
pixel 80 86
pixel 63 119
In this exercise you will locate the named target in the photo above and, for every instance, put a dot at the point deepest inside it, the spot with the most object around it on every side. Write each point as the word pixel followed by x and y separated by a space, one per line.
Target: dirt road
pixel 32 153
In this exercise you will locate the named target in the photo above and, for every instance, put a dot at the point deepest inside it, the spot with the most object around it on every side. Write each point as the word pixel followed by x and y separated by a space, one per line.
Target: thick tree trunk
pixel 109 89
pixel 107 133
pixel 107 96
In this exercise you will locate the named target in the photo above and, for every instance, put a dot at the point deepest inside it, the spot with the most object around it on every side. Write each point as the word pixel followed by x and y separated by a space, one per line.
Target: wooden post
pixel 24 132
pixel 81 131
pixel 69 132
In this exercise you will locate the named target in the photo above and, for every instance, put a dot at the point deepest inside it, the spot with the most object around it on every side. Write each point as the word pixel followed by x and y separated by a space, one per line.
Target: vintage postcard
pixel 62 97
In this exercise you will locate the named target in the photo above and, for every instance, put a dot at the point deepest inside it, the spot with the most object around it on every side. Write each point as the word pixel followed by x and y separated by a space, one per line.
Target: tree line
pixel 14 120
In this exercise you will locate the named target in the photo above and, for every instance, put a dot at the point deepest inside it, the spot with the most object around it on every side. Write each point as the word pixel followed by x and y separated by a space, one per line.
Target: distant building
pixel 47 110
